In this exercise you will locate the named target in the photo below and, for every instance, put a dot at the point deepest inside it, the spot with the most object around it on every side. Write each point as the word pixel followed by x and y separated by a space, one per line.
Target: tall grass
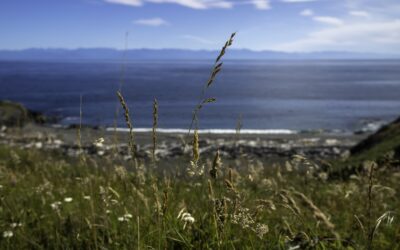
pixel 128 124
pixel 203 100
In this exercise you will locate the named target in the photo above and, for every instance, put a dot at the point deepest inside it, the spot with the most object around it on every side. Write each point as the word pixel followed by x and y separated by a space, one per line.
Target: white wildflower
pixel 348 193
pixel 14 225
pixel 67 199
pixel 186 217
pixel 128 216
pixel 323 176
pixel 8 234
pixel 86 197
pixel 55 205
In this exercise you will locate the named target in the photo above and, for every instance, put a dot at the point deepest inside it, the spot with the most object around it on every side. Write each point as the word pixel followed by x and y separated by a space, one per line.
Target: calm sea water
pixel 296 95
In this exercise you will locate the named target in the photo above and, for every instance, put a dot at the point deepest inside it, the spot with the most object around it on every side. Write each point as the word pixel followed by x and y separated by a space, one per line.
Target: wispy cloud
pixel 154 22
pixel 126 2
pixel 261 4
pixel 298 1
pixel 198 39
pixel 328 20
pixel 194 4
pixel 205 4
pixel 307 12
pixel 377 36
pixel 197 4
pixel 359 13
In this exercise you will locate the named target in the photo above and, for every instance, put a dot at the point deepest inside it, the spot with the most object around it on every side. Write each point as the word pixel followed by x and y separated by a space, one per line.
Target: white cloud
pixel 328 20
pixel 194 4
pixel 154 22
pixel 126 2
pixel 378 36
pixel 261 4
pixel 307 12
pixel 298 1
pixel 198 39
pixel 359 13
pixel 204 4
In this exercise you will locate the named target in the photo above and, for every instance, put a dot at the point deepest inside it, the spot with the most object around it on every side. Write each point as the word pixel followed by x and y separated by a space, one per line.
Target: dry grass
pixel 128 124
pixel 154 130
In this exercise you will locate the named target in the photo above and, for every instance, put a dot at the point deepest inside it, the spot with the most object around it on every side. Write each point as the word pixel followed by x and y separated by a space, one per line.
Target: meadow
pixel 52 201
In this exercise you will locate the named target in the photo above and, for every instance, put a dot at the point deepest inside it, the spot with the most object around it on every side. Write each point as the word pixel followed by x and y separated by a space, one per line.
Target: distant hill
pixel 101 54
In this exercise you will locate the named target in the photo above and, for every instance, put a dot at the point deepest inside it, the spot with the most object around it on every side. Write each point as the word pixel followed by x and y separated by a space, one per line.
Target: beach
pixel 172 145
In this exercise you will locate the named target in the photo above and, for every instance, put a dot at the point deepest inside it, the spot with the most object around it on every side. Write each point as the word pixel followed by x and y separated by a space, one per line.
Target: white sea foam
pixel 209 131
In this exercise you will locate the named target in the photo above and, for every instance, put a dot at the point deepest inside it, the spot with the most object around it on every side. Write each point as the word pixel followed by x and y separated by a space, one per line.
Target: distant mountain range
pixel 104 54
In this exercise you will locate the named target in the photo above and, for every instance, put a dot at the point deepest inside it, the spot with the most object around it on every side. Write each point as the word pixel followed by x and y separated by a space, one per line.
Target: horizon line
pixel 200 50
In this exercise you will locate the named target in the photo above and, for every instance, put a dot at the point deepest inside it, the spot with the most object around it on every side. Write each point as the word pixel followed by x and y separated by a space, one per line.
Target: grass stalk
pixel 214 72
pixel 371 167
pixel 128 124
pixel 82 157
pixel 154 130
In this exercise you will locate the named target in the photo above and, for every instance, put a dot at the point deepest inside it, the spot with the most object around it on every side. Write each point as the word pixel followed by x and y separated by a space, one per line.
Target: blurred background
pixel 301 65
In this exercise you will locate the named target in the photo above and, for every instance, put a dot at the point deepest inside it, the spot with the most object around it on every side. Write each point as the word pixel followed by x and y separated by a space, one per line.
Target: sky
pixel 284 25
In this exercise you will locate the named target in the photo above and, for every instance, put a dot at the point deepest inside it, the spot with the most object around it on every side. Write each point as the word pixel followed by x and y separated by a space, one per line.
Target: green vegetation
pixel 48 201
pixel 383 144
pixel 382 147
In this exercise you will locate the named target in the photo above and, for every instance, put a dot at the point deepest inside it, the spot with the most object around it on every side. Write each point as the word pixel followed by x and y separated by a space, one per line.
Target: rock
pixel 39 145
pixel 13 114
pixel 57 142
pixel 331 142
pixel 162 153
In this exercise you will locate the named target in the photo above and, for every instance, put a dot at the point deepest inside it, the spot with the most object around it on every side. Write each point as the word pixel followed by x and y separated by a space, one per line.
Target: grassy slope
pixel 386 140
pixel 31 181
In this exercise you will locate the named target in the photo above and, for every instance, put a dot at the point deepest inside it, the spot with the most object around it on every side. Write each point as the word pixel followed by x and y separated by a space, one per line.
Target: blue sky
pixel 285 25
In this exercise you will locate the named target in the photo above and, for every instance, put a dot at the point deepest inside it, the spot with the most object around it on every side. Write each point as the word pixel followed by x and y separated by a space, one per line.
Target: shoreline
pixel 172 145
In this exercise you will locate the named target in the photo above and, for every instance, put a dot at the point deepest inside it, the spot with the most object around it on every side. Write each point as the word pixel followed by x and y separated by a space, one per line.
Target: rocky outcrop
pixel 14 114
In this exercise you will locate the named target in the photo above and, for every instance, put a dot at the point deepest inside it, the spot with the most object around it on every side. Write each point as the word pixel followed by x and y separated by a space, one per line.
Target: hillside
pixel 385 142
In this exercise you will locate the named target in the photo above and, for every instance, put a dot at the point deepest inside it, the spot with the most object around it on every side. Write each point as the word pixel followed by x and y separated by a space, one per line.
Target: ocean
pixel 271 96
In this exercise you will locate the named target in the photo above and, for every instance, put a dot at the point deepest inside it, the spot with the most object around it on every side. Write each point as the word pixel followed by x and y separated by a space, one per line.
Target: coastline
pixel 174 143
